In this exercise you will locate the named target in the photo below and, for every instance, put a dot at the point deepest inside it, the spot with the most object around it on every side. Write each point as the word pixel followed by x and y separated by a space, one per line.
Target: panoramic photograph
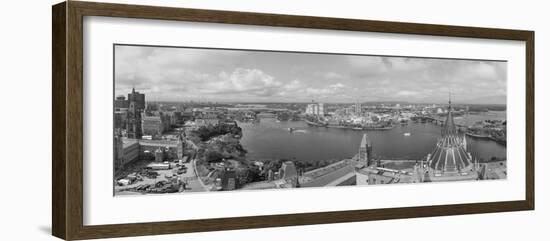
pixel 189 120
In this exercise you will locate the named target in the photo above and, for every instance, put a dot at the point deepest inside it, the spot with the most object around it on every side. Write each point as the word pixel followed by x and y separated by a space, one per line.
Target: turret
pixel 449 127
pixel 450 154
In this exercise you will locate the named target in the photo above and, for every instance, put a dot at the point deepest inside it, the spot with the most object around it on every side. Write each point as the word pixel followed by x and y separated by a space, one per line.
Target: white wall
pixel 25 119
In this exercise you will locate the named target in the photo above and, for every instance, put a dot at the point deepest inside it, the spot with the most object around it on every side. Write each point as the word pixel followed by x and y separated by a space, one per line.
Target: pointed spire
pixel 449 128
pixel 365 141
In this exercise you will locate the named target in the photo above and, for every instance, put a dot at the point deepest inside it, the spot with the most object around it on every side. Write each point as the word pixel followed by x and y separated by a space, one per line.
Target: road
pixel 194 182
pixel 191 178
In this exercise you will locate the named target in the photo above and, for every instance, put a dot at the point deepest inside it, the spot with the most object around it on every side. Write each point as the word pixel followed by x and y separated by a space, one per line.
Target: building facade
pixel 152 125
pixel 133 117
pixel 128 150
pixel 138 98
pixel 121 102
pixel 315 109
pixel 358 109
pixel 125 151
pixel 200 122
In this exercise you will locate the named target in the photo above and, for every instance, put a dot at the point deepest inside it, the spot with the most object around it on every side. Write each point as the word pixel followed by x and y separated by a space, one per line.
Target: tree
pixel 206 133
pixel 213 156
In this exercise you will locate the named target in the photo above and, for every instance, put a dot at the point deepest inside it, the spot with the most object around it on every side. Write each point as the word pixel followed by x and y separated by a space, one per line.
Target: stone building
pixel 450 160
pixel 365 151
pixel 133 116
pixel 152 125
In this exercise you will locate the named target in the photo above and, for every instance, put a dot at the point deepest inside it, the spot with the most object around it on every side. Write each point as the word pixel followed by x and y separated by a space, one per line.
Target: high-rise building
pixel 316 109
pixel 138 98
pixel 309 109
pixel 320 109
pixel 358 108
pixel 133 118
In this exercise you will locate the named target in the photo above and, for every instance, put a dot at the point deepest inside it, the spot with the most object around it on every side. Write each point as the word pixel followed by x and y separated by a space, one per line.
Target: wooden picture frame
pixel 67 122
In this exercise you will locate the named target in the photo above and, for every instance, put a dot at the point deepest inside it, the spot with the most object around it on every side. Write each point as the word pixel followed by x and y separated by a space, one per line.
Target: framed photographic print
pixel 171 120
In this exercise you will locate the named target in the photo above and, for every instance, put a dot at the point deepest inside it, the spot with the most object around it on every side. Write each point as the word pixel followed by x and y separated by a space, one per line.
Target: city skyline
pixel 214 75
pixel 333 140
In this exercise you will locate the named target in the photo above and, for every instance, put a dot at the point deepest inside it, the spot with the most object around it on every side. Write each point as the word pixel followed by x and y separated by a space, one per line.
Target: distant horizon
pixel 247 76
pixel 366 102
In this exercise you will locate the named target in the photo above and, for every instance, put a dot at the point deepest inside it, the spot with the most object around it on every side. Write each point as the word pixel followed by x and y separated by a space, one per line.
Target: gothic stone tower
pixel 133 124
pixel 365 151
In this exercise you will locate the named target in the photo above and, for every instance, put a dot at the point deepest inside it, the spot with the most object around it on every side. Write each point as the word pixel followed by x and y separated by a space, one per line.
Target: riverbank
pixel 270 139
pixel 364 128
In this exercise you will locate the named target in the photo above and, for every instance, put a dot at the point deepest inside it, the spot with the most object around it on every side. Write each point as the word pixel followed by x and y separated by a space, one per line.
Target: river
pixel 271 139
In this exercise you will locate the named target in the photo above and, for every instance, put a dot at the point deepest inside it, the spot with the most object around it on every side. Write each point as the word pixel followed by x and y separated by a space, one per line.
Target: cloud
pixel 293 85
pixel 330 90
pixel 188 73
pixel 407 93
pixel 336 86
pixel 334 75
pixel 249 81
pixel 141 66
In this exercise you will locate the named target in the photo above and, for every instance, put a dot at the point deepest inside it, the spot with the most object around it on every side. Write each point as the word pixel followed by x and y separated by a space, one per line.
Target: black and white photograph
pixel 260 120
pixel 198 119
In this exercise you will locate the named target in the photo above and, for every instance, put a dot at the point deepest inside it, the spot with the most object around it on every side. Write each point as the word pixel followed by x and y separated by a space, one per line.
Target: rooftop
pixel 450 154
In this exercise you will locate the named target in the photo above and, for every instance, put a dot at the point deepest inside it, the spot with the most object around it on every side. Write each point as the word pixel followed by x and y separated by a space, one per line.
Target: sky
pixel 219 75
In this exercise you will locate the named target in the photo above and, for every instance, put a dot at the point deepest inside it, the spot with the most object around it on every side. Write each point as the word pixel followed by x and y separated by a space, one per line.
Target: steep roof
pixel 365 141
pixel 449 127
pixel 450 154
